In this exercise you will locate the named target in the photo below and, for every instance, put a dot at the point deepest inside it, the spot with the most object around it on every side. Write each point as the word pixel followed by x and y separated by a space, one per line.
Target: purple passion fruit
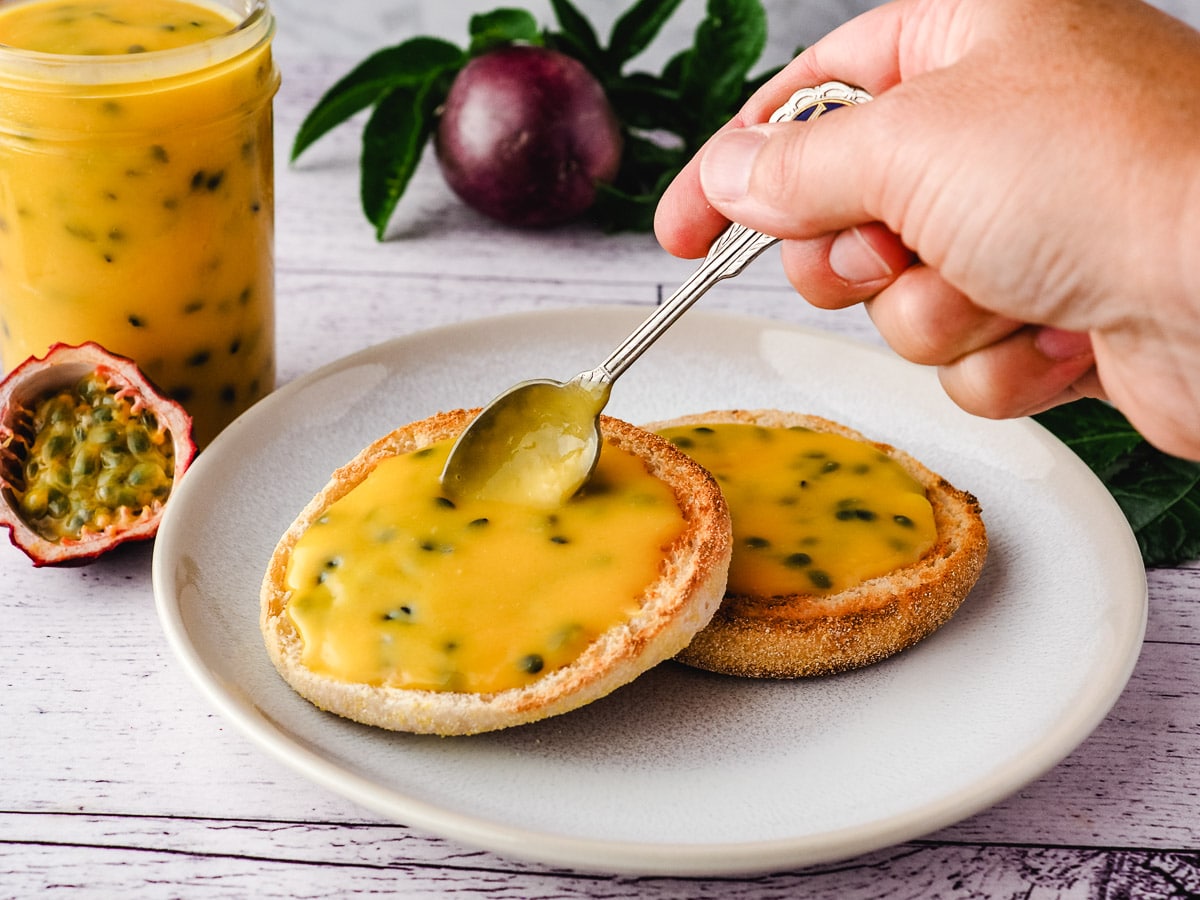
pixel 89 454
pixel 525 136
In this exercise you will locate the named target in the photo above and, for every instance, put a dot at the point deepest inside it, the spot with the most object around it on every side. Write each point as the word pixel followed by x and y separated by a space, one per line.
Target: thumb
pixel 791 179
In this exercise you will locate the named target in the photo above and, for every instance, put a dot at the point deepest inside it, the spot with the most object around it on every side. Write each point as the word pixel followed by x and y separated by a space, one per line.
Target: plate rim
pixel 610 856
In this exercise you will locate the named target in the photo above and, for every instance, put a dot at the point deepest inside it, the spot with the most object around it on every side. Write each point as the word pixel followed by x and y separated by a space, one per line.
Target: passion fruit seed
pixel 94 454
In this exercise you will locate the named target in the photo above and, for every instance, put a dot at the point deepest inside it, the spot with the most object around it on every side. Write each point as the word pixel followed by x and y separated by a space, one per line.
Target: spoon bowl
pixel 537 443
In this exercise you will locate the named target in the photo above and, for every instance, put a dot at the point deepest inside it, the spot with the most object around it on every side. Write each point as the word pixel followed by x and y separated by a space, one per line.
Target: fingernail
pixel 853 258
pixel 1057 344
pixel 725 168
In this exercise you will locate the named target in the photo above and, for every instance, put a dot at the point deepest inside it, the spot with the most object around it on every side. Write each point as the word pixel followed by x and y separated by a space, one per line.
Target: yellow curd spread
pixel 813 513
pixel 109 27
pixel 396 584
pixel 136 193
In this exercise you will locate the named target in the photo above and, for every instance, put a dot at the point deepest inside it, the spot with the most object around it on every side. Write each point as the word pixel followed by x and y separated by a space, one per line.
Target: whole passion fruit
pixel 89 454
pixel 525 136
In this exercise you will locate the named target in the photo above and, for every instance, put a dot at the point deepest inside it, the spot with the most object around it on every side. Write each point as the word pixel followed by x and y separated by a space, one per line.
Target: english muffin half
pixel 817 626
pixel 431 595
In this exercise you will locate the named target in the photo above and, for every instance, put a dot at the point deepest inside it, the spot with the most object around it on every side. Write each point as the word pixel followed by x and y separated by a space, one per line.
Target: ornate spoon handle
pixel 733 249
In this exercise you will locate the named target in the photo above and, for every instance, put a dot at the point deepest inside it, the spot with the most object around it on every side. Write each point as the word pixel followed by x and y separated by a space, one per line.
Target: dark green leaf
pixel 570 45
pixel 672 73
pixel 645 103
pixel 633 31
pixel 621 208
pixel 728 43
pixel 1152 486
pixel 1158 493
pixel 1098 433
pixel 411 62
pixel 1161 498
pixel 500 27
pixel 1169 543
pixel 615 210
pixel 650 159
pixel 393 140
pixel 576 28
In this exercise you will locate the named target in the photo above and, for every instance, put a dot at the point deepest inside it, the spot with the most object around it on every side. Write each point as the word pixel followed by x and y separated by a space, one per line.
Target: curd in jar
pixel 136 191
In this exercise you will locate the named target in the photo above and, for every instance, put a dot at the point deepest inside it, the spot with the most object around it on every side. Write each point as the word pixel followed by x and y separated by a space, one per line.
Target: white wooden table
pixel 118 779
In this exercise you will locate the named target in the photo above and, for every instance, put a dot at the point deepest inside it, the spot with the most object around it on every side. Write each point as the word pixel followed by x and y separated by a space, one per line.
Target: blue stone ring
pixel 808 103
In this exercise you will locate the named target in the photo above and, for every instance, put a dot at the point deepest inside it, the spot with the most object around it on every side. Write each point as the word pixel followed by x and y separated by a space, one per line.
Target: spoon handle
pixel 733 249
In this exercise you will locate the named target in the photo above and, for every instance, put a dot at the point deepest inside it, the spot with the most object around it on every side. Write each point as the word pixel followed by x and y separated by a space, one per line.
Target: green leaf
pixel 633 31
pixel 1159 494
pixel 646 161
pixel 500 27
pixel 630 203
pixel 393 140
pixel 728 43
pixel 570 45
pixel 615 210
pixel 1097 432
pixel 577 29
pixel 1153 486
pixel 672 73
pixel 646 168
pixel 644 103
pixel 411 62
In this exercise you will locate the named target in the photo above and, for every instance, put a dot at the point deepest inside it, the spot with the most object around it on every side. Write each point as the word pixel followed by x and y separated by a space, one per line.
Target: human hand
pixel 1019 205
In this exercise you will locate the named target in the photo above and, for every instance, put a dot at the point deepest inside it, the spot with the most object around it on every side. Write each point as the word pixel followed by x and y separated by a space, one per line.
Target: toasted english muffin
pixel 676 604
pixel 802 634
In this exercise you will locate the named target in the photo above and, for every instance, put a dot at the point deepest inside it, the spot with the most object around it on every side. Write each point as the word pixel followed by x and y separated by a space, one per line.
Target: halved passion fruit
pixel 89 454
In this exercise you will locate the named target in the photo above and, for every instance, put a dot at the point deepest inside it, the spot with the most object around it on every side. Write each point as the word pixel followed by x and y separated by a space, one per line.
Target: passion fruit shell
pixel 90 451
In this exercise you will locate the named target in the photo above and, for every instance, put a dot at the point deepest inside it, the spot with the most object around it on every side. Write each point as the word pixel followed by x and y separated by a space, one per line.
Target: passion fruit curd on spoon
pixel 536 444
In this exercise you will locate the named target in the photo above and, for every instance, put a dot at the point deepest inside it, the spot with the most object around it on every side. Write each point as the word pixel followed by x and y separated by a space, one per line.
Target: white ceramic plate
pixel 683 772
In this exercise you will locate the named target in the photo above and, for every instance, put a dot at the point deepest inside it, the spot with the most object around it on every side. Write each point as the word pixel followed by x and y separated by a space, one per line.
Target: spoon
pixel 538 442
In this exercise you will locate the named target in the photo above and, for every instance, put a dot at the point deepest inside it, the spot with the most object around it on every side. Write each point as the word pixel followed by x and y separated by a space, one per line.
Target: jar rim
pixel 256 27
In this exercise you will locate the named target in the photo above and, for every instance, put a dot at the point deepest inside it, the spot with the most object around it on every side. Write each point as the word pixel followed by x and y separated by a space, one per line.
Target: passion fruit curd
pixel 136 191
pixel 396 584
pixel 813 512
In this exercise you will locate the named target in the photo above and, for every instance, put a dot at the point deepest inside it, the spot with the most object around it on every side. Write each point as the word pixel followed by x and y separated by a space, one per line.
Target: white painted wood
pixel 117 779
pixel 230 858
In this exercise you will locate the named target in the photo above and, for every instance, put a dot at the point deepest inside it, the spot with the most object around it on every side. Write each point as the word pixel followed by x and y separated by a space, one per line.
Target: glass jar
pixel 137 193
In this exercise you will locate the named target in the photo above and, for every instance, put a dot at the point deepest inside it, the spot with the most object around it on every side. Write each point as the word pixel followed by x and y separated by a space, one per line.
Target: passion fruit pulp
pixel 90 451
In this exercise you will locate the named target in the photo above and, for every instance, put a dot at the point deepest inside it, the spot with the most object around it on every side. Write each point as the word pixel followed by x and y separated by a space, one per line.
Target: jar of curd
pixel 136 191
